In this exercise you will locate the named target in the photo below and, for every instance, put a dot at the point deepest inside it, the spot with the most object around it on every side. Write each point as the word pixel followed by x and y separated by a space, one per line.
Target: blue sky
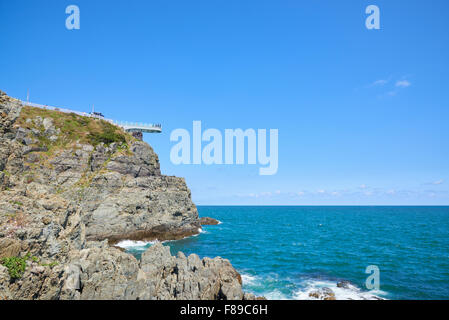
pixel 362 114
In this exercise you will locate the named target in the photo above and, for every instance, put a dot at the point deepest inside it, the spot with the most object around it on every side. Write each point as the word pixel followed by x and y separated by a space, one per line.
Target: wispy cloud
pixel 379 83
pixel 434 183
pixel 402 84
pixel 393 86
pixel 361 192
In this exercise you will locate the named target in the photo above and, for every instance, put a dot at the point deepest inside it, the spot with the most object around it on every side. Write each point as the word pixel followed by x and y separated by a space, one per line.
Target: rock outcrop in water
pixel 206 221
pixel 70 186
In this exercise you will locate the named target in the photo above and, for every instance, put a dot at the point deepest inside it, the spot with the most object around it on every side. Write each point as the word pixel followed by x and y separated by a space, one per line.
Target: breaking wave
pixel 274 288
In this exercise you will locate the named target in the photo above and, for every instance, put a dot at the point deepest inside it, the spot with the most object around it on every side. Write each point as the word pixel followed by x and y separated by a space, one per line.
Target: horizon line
pixel 323 205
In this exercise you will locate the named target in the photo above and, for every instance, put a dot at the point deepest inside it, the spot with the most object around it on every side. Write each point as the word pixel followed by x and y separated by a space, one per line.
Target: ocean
pixel 288 252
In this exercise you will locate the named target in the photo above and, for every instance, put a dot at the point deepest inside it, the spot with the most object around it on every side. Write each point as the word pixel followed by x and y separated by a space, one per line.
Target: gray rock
pixel 21 134
pixel 181 278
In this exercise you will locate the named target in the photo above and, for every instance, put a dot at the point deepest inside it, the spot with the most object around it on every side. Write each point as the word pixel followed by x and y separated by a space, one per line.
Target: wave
pixel 131 245
pixel 274 288
pixel 135 245
pixel 263 286
pixel 275 295
pixel 248 279
pixel 348 292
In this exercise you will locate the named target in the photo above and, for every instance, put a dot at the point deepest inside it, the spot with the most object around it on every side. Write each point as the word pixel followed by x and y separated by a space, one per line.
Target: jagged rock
pixel 5 280
pixel 21 134
pixel 187 278
pixel 102 274
pixel 10 247
pixel 37 283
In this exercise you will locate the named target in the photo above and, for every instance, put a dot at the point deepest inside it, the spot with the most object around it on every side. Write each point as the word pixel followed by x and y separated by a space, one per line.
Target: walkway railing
pixel 139 127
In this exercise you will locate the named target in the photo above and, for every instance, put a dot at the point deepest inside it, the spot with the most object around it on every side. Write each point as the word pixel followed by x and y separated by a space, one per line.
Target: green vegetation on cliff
pixel 16 266
pixel 72 128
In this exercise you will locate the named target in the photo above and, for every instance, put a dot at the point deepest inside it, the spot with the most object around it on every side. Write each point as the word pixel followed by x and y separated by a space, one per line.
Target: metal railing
pixel 136 124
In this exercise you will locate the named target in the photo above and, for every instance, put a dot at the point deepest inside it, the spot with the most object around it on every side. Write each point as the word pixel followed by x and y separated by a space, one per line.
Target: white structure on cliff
pixel 127 126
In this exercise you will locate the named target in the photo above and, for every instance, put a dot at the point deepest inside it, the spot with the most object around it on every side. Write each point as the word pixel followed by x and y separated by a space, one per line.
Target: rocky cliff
pixel 72 186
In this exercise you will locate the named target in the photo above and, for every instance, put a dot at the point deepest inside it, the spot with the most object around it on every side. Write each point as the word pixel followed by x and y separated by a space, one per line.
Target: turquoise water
pixel 285 252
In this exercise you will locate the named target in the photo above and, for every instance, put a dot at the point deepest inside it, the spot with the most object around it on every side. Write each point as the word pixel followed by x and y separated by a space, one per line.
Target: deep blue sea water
pixel 286 252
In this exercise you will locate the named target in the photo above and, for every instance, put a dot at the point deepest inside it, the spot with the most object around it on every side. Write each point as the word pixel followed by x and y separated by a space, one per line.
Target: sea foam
pixel 135 245
pixel 351 292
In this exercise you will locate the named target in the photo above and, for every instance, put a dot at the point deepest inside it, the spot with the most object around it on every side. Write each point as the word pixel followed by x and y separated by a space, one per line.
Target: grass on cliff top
pixel 74 128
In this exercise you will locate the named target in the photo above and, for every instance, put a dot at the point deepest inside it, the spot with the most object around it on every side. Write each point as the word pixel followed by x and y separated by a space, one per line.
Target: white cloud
pixel 363 186
pixel 381 82
pixel 403 84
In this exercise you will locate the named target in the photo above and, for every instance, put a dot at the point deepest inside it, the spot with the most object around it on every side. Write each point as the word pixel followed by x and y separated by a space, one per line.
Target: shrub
pixel 108 136
pixel 16 266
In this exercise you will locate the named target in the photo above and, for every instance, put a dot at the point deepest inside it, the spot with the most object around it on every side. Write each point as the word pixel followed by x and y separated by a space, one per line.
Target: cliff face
pixel 68 184
pixel 116 185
